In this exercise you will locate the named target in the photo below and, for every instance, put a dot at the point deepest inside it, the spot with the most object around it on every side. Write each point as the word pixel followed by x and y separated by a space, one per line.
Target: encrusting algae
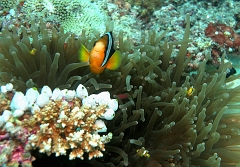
pixel 156 124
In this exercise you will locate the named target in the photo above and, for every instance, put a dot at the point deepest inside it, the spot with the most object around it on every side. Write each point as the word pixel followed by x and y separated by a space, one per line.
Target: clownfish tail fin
pixel 83 54
pixel 115 61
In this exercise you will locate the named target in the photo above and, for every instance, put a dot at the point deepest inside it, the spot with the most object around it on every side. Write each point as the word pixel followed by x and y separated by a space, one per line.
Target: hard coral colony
pixel 54 122
pixel 156 124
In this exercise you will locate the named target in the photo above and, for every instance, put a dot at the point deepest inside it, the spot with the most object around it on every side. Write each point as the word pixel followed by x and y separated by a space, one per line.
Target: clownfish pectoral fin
pixel 115 61
pixel 83 54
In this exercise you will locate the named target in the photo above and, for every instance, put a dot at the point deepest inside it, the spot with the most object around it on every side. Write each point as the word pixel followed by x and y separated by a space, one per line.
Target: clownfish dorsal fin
pixel 83 54
pixel 115 61
pixel 109 51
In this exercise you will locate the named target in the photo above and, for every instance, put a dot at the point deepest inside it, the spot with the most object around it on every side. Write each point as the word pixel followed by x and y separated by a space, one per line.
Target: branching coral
pixel 71 124
pixel 59 121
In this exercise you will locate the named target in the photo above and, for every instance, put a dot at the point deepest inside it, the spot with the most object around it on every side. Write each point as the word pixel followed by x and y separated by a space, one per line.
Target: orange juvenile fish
pixel 102 55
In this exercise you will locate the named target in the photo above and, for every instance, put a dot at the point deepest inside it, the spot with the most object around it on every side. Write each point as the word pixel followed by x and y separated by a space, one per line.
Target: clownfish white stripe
pixel 109 46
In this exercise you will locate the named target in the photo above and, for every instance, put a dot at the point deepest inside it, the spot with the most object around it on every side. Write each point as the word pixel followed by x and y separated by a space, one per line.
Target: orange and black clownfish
pixel 102 55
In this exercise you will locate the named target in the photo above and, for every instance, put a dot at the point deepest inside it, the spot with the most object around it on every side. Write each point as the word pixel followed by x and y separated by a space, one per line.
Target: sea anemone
pixel 157 123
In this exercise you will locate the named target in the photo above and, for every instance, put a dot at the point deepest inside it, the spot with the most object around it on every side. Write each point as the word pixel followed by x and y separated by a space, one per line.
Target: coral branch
pixel 54 122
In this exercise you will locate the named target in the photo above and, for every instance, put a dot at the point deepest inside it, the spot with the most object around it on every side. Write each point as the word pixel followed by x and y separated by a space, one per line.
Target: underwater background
pixel 170 99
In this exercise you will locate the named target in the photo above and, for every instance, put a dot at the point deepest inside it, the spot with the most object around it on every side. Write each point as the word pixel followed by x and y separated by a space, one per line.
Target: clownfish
pixel 190 91
pixel 102 55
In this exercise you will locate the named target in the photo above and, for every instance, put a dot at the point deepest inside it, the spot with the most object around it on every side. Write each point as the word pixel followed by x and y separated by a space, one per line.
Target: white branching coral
pixel 62 120
pixel 70 119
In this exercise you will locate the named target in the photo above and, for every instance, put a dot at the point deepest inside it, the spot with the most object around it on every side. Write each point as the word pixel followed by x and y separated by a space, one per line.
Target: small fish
pixel 144 153
pixel 102 55
pixel 33 51
pixel 230 71
pixel 190 91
